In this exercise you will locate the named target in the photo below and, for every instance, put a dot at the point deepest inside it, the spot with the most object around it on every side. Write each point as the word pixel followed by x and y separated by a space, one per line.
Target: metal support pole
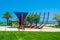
pixel 47 18
pixel 43 18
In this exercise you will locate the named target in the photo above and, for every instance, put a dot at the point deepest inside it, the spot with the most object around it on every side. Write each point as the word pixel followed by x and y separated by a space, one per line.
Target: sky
pixel 40 6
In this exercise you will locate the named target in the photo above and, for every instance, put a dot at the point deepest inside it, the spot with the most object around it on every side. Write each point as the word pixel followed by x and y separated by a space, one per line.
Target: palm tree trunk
pixel 59 24
pixel 30 24
pixel 36 23
pixel 7 21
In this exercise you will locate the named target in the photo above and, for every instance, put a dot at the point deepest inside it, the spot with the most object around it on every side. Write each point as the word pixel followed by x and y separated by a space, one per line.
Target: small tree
pixel 7 16
pixel 36 18
pixel 29 18
pixel 33 18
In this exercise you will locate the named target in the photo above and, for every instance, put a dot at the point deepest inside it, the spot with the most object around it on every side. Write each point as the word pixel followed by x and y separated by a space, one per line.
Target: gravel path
pixel 45 29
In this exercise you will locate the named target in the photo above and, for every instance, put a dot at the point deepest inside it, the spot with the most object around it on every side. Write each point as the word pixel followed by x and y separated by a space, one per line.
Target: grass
pixel 55 26
pixel 3 24
pixel 13 25
pixel 29 35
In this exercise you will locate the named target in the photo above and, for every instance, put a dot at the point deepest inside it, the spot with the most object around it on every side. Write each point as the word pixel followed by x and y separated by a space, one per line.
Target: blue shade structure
pixel 21 16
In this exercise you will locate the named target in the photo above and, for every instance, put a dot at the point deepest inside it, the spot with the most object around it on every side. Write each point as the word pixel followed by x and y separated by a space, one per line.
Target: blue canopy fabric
pixel 18 14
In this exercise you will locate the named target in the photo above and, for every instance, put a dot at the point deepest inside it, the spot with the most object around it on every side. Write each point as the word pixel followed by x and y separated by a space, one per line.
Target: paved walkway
pixel 45 29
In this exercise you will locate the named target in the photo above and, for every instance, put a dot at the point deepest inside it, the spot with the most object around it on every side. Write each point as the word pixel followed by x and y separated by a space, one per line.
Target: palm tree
pixel 7 16
pixel 57 17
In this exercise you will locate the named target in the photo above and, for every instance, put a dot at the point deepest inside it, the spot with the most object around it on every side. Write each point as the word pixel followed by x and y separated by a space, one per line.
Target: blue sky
pixel 52 6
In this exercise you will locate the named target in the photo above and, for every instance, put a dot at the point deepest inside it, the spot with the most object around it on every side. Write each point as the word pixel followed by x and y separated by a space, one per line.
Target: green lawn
pixel 57 26
pixel 3 24
pixel 54 26
pixel 29 35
